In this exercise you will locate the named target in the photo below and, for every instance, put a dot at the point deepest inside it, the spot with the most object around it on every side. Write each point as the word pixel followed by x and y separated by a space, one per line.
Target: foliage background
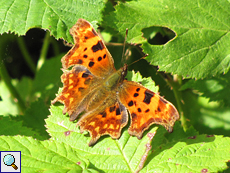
pixel 188 47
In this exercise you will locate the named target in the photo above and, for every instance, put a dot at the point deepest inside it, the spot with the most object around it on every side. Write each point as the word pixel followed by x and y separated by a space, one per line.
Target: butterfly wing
pixel 109 118
pixel 88 50
pixel 146 108
pixel 94 87
pixel 92 63
pixel 78 85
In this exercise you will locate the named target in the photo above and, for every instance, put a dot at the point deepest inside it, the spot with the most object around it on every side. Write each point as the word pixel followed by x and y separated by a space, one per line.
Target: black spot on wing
pixel 85 75
pixel 103 114
pixel 159 109
pixel 99 58
pixel 148 96
pixel 91 64
pixel 133 115
pixel 130 103
pixel 118 111
pixel 135 94
pixel 147 110
pixel 79 61
pixel 98 46
pixel 111 109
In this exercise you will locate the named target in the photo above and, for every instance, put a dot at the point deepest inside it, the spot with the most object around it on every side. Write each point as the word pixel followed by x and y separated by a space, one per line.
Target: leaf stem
pixel 6 78
pixel 44 51
pixel 175 84
pixel 55 47
pixel 26 55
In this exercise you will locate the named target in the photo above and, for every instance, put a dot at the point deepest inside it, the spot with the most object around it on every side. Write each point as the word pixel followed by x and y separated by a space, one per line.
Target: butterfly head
pixel 124 71
pixel 120 74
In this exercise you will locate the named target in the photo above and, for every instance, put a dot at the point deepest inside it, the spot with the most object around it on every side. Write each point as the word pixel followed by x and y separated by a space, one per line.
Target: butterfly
pixel 94 89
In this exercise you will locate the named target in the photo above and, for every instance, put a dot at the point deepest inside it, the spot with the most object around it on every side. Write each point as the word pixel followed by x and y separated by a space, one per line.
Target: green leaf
pixel 107 155
pixel 34 117
pixel 201 46
pixel 215 88
pixel 47 79
pixel 212 117
pixel 45 156
pixel 147 82
pixel 58 16
pixel 211 107
pixel 195 154
pixel 12 128
pixel 198 50
pixel 127 152
pixel 7 104
pixel 190 153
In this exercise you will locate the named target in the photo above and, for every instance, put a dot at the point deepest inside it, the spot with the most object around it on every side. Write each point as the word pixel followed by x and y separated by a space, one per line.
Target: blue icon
pixel 9 160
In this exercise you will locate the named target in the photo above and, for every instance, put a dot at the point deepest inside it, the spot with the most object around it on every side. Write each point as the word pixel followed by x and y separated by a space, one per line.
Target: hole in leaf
pixel 158 35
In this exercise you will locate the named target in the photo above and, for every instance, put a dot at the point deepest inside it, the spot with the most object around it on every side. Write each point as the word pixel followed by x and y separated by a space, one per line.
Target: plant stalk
pixel 175 87
pixel 26 55
pixel 44 51
pixel 6 78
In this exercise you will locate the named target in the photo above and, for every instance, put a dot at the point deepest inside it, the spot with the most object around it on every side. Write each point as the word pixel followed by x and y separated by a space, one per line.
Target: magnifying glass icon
pixel 9 160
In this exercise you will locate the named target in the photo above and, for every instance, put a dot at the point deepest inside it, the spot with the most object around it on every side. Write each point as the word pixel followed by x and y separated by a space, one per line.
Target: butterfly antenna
pixel 138 59
pixel 123 52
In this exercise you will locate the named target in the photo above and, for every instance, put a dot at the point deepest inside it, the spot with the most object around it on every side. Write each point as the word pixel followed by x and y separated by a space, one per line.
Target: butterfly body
pixel 95 88
pixel 115 79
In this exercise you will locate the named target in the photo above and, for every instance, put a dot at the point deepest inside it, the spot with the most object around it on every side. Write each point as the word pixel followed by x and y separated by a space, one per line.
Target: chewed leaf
pixel 201 46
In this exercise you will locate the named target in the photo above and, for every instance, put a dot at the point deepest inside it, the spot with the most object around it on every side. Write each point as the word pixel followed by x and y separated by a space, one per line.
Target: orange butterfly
pixel 95 88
